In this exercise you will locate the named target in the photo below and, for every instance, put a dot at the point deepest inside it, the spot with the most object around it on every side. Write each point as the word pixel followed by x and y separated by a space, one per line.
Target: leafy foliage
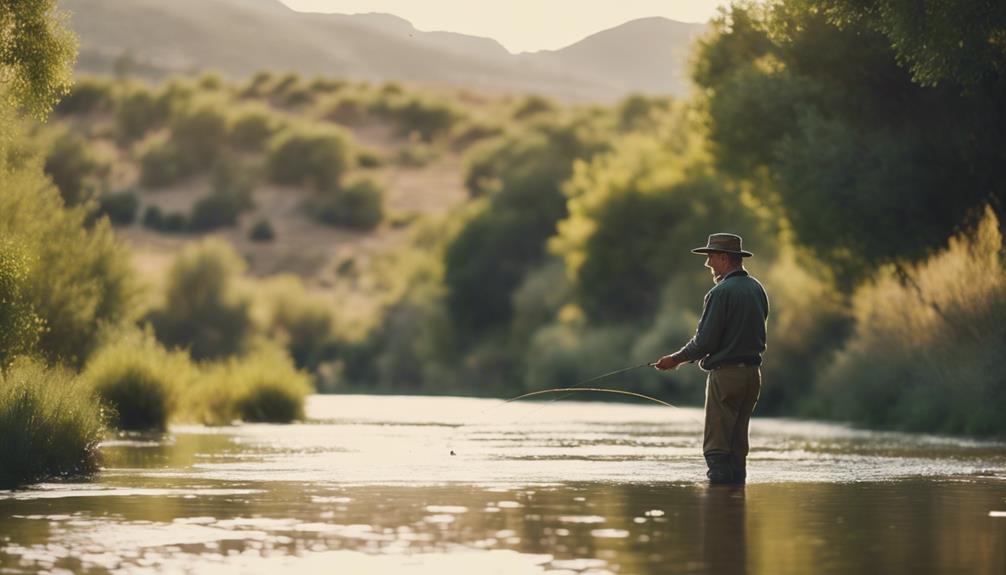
pixel 37 54
pixel 203 310
pixel 315 155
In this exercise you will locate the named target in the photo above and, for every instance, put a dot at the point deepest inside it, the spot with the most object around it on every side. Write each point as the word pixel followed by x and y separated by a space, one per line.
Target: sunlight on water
pixel 369 485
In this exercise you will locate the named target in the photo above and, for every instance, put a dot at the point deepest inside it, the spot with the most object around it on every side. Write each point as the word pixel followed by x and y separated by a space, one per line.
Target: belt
pixel 735 364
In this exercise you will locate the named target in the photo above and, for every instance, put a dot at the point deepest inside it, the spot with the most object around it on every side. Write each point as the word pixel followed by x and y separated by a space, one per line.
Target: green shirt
pixel 732 326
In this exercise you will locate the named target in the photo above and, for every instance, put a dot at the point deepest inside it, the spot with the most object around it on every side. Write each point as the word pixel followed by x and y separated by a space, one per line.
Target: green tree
pixel 959 41
pixel 491 254
pixel 629 209
pixel 19 326
pixel 842 139
pixel 37 54
pixel 80 277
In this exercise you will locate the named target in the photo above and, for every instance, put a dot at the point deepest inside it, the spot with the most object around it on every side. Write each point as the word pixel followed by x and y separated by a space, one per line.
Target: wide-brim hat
pixel 723 243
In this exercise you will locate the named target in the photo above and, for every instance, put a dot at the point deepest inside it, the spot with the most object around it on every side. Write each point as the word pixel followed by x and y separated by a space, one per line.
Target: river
pixel 474 486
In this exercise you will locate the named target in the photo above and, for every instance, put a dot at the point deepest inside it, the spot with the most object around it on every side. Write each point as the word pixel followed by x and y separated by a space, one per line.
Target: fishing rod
pixel 578 387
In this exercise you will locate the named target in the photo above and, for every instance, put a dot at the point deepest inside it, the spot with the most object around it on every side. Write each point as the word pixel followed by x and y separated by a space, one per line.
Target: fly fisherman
pixel 728 344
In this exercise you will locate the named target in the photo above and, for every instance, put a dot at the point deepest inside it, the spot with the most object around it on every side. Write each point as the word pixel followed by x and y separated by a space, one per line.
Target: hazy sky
pixel 521 25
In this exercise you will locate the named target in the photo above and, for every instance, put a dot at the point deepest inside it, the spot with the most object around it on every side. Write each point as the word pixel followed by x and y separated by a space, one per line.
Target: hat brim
pixel 704 251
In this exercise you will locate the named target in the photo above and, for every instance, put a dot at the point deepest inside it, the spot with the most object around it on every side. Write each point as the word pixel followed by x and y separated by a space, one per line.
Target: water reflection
pixel 724 532
pixel 594 489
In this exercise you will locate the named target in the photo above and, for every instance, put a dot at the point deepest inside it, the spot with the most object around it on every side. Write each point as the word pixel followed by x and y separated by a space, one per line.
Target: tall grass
pixel 263 386
pixel 50 425
pixel 929 343
pixel 138 380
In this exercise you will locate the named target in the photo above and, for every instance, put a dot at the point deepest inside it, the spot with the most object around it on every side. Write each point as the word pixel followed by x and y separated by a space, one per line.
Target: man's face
pixel 717 264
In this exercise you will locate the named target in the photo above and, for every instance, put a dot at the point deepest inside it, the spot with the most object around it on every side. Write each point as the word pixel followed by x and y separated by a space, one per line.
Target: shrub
pixel 203 309
pixel 210 81
pixel 263 386
pixel 262 231
pixel 923 353
pixel 318 156
pixel 298 96
pixel 153 218
pixel 468 133
pixel 230 196
pixel 416 155
pixel 162 163
pixel 256 85
pixel 71 165
pixel 174 222
pixel 214 211
pixel 424 116
pixel 367 158
pixel 19 326
pixel 359 205
pixel 199 134
pixel 138 112
pixel 532 106
pixel 120 207
pixel 252 127
pixel 88 95
pixel 138 380
pixel 326 85
pixel 176 95
pixel 270 388
pixel 285 84
pixel 303 323
pixel 50 426
pixel 346 108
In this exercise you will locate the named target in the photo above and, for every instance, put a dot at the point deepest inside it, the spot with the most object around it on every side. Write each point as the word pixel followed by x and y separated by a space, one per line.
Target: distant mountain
pixel 240 37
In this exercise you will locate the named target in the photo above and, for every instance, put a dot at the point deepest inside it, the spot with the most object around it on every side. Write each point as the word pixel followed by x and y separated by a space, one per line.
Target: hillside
pixel 241 37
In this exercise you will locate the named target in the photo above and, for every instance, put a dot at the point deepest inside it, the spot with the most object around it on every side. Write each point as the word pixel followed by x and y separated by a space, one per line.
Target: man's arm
pixel 707 335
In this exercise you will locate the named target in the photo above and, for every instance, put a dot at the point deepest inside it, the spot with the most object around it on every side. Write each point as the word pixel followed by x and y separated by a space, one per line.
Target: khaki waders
pixel 731 395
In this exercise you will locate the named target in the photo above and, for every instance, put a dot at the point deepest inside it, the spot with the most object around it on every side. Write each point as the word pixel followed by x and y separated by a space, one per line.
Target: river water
pixel 370 485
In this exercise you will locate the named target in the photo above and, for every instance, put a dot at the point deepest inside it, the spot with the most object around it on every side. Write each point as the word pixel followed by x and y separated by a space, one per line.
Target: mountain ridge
pixel 241 37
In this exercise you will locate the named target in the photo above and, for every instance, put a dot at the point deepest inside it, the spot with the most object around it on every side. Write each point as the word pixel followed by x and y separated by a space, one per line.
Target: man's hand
pixel 666 363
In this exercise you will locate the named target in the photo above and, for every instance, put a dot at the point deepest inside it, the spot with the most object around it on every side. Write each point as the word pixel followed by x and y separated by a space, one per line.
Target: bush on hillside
pixel 252 127
pixel 87 96
pixel 73 168
pixel 199 134
pixel 50 425
pixel 203 309
pixel 162 163
pixel 347 108
pixel 367 158
pixel 318 156
pixel 231 195
pixel 137 113
pixel 256 86
pixel 532 106
pixel 360 205
pixel 326 85
pixel 426 117
pixel 262 231
pixel 120 207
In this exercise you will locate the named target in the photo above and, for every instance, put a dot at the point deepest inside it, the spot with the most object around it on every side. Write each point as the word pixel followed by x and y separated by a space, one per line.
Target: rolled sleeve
pixel 709 332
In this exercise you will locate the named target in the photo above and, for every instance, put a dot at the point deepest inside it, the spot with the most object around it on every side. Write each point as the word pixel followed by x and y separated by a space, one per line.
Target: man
pixel 728 344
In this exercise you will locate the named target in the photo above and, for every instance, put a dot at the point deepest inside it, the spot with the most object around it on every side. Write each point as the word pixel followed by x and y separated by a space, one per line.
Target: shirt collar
pixel 732 273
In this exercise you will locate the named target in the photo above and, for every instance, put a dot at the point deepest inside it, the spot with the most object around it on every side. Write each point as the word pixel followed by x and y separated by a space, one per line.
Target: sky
pixel 521 25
